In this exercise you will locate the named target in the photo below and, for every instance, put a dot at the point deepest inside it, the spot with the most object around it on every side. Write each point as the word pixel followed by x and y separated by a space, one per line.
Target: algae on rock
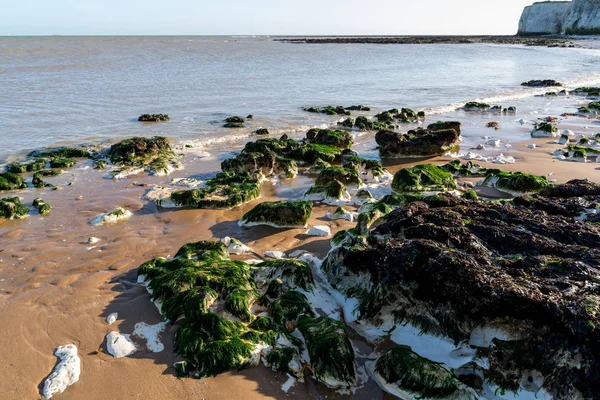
pixel 283 214
pixel 11 208
pixel 423 178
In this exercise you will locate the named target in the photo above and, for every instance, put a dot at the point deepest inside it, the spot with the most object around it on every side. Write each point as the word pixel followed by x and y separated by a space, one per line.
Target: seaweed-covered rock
pixel 476 106
pixel 541 83
pixel 226 190
pixel 38 180
pixel 444 125
pixel 544 130
pixel 61 152
pixel 405 374
pixel 333 193
pixel 515 183
pixel 234 122
pixel 285 168
pixel 62 163
pixel 250 162
pixel 27 166
pixel 43 207
pixel 339 139
pixel 201 274
pixel 112 217
pixel 291 273
pixel 587 90
pixel 281 214
pixel 329 110
pixel 347 176
pixel 139 150
pixel 449 266
pixel 262 131
pixel 289 307
pixel 418 142
pixel 11 181
pixel 331 353
pixel 423 178
pixel 153 117
pixel 11 208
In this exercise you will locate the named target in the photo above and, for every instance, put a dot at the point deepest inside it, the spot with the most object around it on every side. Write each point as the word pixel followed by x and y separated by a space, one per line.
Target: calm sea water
pixel 81 89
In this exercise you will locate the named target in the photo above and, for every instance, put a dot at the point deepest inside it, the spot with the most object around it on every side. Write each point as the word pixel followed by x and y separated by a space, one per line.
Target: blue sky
pixel 259 17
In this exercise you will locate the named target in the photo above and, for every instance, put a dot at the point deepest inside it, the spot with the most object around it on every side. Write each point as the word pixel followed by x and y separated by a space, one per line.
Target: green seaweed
pixel 11 181
pixel 331 353
pixel 280 213
pixel 11 208
pixel 226 190
pixel 289 306
pixel 293 273
pixel 424 177
pixel 418 375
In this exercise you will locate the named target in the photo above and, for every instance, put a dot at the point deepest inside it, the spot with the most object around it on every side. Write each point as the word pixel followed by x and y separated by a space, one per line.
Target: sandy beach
pixel 57 289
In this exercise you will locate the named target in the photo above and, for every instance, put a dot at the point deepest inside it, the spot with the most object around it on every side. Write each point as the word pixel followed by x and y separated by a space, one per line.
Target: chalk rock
pixel 65 373
pixel 119 345
pixel 112 318
pixel 319 230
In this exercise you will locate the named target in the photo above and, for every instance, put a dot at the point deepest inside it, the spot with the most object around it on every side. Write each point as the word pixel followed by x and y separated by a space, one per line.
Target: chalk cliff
pixel 560 17
pixel 584 18
pixel 544 18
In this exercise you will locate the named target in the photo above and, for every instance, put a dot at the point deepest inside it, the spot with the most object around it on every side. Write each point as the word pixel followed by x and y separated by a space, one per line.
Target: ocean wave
pixel 517 94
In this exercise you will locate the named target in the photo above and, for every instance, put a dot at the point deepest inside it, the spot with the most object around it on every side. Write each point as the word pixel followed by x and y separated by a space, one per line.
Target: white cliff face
pixel 554 17
pixel 544 18
pixel 584 17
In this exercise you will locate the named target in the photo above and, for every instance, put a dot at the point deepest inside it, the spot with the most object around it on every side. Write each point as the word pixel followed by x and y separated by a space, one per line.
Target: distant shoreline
pixel 547 41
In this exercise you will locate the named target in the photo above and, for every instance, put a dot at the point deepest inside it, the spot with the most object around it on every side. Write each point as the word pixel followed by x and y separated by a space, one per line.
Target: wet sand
pixel 56 289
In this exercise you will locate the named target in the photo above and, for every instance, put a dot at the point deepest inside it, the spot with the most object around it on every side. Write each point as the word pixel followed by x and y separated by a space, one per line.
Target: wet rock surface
pixel 448 265
pixel 436 140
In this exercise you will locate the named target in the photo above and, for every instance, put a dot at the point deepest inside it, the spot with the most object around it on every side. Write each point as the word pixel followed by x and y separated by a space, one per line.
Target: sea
pixel 56 90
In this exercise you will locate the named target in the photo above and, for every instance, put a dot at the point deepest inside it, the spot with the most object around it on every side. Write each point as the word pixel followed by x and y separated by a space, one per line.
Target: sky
pixel 260 17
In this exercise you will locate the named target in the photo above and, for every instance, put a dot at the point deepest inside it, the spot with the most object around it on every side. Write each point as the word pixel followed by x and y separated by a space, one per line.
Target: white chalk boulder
pixel 65 373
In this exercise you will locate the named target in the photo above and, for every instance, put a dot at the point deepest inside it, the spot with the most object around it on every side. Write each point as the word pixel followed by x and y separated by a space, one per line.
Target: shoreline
pixel 547 41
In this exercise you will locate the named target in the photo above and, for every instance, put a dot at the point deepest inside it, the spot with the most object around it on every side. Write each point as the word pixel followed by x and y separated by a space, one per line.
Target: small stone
pixel 112 318
pixel 290 326
pixel 531 146
pixel 93 240
pixel 319 230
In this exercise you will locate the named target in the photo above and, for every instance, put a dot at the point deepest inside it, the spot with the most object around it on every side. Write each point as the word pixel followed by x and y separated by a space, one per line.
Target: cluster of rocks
pixel 542 83
pixel 153 117
pixel 233 315
pixel 12 208
pixel 475 106
pixel 336 110
pixel 242 176
pixel 513 282
pixel 437 139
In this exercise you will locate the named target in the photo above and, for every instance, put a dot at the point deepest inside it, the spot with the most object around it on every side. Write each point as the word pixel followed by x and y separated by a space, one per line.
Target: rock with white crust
pixel 65 373
pixel 319 230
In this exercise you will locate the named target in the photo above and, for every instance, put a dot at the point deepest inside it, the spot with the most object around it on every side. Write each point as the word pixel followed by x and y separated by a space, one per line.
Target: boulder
pixel 153 117
pixel 423 178
pixel 11 208
pixel 418 142
pixel 11 181
pixel 544 130
pixel 339 139
pixel 451 267
pixel 542 83
pixel 226 190
pixel 280 214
